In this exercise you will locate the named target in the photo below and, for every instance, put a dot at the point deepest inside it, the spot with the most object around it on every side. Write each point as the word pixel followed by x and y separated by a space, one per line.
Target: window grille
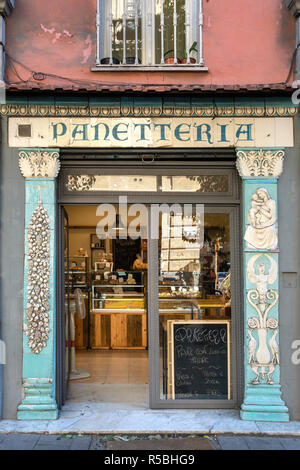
pixel 149 32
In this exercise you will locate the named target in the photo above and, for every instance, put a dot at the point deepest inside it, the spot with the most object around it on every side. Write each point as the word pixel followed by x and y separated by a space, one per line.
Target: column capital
pixel 39 163
pixel 262 162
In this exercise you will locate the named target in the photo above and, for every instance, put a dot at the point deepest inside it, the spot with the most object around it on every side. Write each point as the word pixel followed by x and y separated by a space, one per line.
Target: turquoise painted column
pixel 260 170
pixel 40 168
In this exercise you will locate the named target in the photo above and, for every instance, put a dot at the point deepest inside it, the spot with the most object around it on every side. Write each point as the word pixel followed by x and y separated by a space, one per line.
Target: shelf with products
pixel 99 257
pixel 77 272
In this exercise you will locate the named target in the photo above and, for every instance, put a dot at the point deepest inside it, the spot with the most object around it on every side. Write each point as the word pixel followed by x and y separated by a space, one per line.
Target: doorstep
pixel 100 418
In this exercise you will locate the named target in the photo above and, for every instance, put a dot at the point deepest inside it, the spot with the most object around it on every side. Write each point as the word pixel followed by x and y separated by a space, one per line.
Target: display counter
pixel 119 313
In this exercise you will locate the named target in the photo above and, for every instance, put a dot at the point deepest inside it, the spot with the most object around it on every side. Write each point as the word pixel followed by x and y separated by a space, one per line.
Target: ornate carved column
pixel 260 170
pixel 40 168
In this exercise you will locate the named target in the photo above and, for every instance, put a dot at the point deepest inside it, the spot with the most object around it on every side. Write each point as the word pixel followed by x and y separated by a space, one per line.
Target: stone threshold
pixel 95 418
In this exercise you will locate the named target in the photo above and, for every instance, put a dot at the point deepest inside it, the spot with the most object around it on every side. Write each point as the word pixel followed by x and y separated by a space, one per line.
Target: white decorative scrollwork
pixel 39 163
pixel 260 162
pixel 80 182
pixel 262 231
pixel 263 356
pixel 38 290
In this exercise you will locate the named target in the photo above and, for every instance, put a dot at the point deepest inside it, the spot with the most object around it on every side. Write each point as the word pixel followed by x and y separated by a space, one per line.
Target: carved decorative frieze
pixel 211 183
pixel 263 350
pixel 260 162
pixel 80 182
pixel 145 111
pixel 38 287
pixel 39 163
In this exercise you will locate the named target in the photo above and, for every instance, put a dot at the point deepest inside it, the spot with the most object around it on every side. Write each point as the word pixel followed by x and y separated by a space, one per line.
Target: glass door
pixel 63 309
pixel 67 315
pixel 192 264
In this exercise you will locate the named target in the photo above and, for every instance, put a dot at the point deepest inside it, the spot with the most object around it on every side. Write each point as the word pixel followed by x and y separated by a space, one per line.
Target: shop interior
pixel 106 297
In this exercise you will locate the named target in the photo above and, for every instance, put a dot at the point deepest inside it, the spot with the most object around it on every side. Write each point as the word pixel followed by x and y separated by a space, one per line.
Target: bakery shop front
pixel 151 258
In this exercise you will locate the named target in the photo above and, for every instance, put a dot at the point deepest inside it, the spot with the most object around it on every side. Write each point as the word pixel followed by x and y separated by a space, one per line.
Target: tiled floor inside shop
pixel 119 377
pixel 114 367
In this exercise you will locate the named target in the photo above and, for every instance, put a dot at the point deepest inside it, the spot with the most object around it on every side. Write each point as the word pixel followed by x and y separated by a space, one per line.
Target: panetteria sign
pixel 151 132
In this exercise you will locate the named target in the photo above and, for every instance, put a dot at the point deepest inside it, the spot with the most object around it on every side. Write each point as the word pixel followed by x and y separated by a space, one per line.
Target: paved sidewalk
pixel 100 442
pixel 256 443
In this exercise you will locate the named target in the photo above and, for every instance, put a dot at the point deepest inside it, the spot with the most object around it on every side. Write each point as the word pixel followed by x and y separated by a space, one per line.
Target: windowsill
pixel 149 68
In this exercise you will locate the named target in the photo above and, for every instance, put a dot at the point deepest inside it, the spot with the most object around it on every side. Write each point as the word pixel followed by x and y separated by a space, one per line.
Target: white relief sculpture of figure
pixel 262 231
pixel 263 359
pixel 262 279
pixel 274 347
pixel 251 347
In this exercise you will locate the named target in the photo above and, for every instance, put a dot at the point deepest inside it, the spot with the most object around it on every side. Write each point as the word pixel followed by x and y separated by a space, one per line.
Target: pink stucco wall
pixel 245 42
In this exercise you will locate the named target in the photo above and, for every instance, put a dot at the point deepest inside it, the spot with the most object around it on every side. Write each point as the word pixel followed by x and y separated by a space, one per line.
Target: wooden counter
pixel 119 329
pixel 125 327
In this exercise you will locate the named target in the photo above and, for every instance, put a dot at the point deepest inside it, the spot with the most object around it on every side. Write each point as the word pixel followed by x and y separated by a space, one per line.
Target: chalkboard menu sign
pixel 198 359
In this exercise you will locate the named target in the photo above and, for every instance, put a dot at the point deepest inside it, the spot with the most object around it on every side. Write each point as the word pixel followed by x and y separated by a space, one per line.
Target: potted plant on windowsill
pixel 131 60
pixel 171 59
pixel 192 49
pixel 106 60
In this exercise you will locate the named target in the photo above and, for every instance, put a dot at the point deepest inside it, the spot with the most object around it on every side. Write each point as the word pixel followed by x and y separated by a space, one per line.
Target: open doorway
pixel 106 310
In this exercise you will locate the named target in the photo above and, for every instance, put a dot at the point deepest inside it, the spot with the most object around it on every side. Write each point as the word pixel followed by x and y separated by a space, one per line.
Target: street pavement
pixel 13 441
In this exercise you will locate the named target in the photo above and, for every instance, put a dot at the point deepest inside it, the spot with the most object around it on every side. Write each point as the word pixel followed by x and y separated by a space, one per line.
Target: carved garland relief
pixel 38 290
pixel 38 163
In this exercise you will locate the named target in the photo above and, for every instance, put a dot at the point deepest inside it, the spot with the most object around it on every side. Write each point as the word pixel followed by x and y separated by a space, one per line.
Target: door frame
pixel 60 342
pixel 236 320
pixel 231 202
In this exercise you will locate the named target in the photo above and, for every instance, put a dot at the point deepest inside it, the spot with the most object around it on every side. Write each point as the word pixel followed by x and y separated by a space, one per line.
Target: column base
pixel 264 403
pixel 34 412
pixel 38 402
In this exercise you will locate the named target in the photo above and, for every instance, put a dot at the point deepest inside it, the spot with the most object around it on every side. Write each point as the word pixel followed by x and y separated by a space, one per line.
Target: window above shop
pixel 208 183
pixel 150 34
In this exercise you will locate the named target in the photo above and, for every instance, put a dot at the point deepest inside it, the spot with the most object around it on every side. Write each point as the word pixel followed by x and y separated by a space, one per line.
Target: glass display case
pixel 119 311
pixel 118 291
pixel 190 301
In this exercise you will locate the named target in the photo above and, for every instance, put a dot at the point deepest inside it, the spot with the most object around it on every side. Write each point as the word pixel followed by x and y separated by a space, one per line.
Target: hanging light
pixel 118 225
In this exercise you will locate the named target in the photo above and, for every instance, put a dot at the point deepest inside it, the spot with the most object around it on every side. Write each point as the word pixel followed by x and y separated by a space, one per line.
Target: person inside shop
pixel 138 263
pixel 224 265
pixel 209 282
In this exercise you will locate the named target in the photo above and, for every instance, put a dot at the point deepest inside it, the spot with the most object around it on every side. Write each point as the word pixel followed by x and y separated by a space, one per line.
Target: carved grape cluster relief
pixel 38 290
